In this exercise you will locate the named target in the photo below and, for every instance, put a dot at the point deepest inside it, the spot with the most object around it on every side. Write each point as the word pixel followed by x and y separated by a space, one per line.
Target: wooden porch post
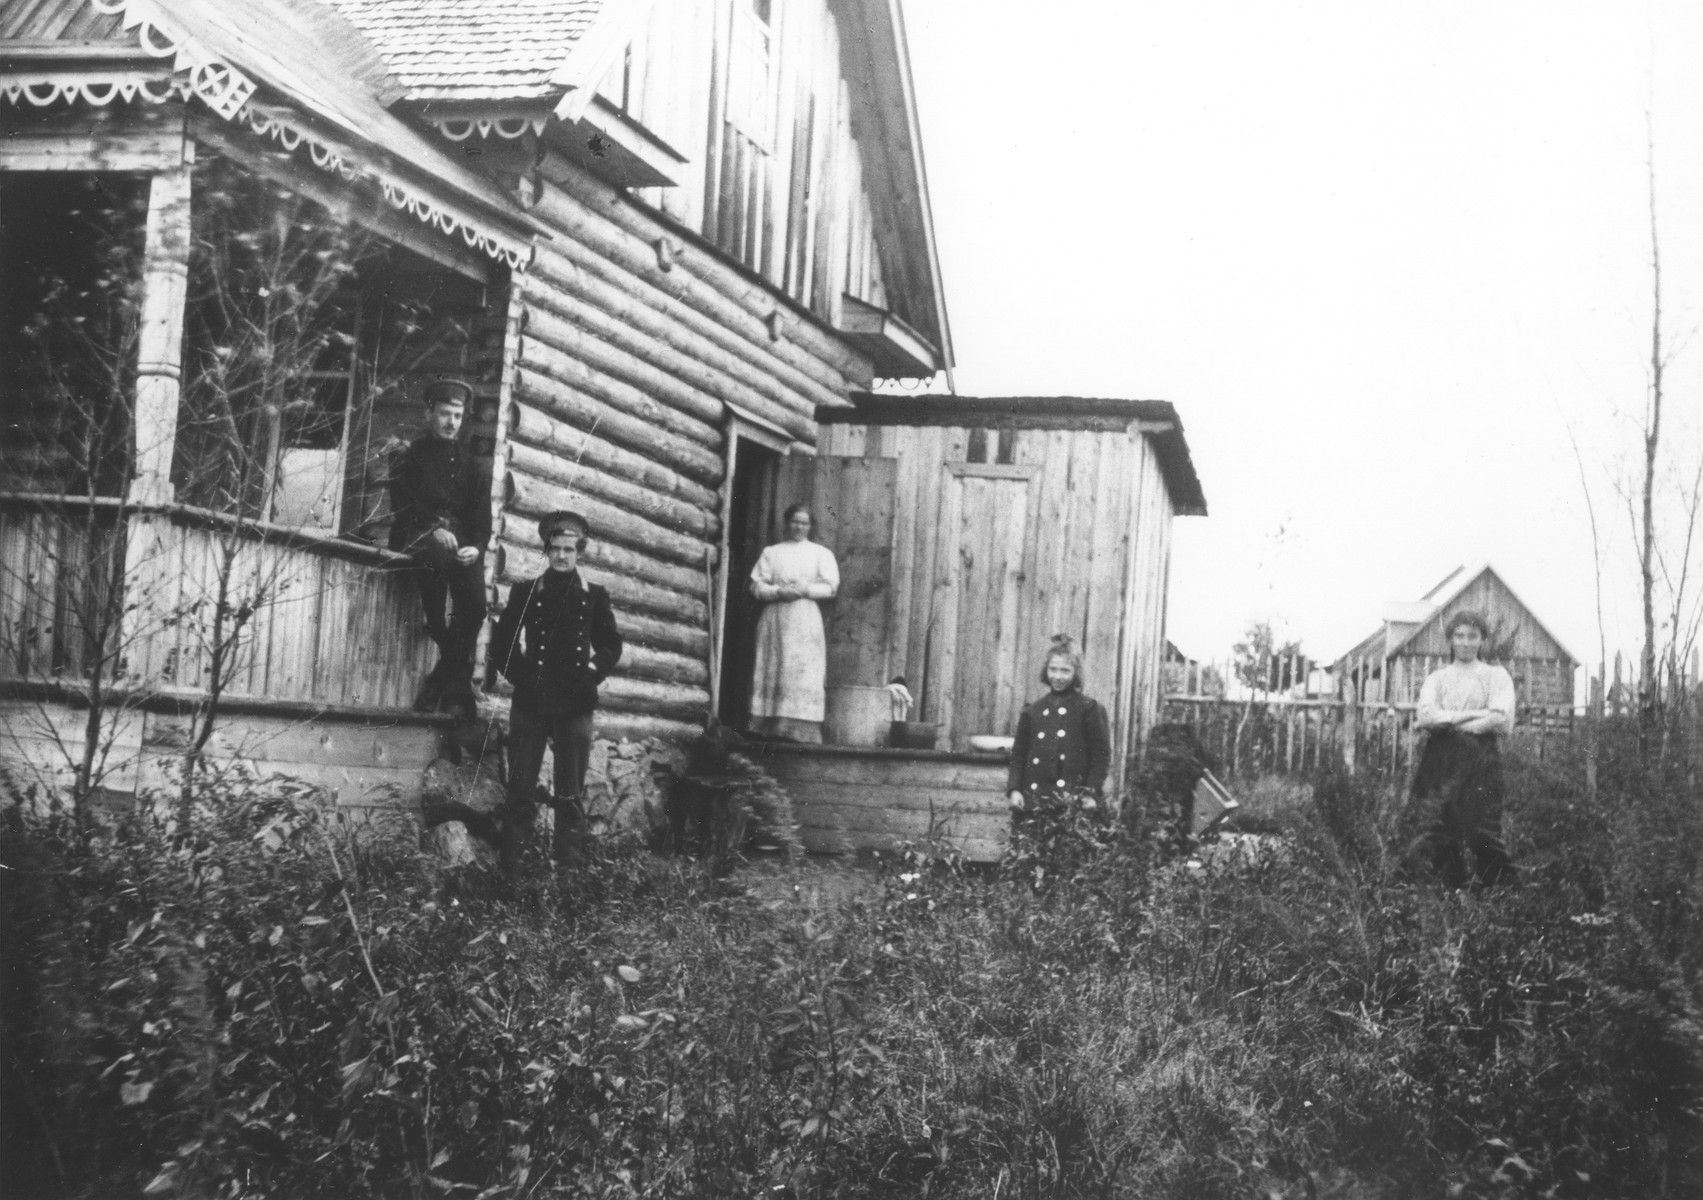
pixel 159 356
pixel 149 567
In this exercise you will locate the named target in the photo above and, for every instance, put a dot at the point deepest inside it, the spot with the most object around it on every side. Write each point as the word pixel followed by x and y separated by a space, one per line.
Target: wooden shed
pixel 1392 662
pixel 969 531
pixel 657 235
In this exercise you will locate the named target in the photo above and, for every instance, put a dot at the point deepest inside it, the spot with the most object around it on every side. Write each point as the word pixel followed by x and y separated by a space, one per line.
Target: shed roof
pixel 1158 418
pixel 475 49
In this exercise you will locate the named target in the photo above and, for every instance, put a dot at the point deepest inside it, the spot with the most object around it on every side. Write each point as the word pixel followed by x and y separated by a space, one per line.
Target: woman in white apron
pixel 788 695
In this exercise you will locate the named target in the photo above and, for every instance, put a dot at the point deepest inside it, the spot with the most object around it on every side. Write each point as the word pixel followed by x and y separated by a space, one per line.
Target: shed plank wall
pixel 1096 527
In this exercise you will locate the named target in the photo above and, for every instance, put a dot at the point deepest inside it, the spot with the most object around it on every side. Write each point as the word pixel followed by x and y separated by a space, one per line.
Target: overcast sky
pixel 1382 257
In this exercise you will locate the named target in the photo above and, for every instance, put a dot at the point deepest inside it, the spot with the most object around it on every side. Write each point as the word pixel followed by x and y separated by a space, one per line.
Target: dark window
pixel 70 272
pixel 307 338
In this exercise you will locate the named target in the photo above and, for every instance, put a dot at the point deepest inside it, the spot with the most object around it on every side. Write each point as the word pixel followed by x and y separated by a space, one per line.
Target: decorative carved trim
pixel 229 93
pixel 221 86
pixel 273 123
pixel 459 129
pixel 517 257
pixel 276 123
pixel 49 88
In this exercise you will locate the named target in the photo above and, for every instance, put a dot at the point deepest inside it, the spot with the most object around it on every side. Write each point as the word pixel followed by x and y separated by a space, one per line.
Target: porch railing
pixel 321 621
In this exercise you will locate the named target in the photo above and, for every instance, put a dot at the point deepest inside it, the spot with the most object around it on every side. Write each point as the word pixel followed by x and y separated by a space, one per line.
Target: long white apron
pixel 792 652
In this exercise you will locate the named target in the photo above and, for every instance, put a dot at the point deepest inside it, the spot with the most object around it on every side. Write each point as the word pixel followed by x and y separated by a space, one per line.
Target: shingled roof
pixel 473 49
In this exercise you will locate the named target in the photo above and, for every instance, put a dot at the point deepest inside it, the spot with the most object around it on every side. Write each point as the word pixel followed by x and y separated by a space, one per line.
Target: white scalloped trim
pixel 459 129
pixel 45 89
pixel 228 91
pixel 399 194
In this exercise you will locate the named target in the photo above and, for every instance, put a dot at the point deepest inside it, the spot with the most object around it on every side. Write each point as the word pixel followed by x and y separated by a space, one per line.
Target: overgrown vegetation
pixel 262 1008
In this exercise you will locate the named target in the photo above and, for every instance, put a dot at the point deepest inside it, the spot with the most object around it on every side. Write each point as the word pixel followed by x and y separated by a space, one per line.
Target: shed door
pixel 852 499
pixel 984 655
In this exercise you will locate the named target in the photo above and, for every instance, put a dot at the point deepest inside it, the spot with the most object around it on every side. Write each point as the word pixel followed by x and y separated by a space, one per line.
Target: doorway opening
pixel 750 520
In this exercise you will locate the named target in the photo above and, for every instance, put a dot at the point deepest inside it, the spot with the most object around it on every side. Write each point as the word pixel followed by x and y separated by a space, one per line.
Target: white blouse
pixel 1464 687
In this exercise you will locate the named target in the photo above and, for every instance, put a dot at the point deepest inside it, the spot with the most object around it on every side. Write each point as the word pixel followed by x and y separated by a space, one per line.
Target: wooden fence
pixel 1299 731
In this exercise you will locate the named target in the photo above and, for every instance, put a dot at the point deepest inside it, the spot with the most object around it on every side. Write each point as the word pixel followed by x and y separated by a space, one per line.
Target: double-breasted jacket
pixel 1063 741
pixel 555 642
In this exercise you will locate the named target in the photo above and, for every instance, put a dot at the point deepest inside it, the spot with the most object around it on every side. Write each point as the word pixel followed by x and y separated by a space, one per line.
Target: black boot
pixel 460 698
pixel 432 691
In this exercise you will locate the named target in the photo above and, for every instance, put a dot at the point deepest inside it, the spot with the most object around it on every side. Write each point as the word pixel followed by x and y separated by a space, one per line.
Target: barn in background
pixel 1392 662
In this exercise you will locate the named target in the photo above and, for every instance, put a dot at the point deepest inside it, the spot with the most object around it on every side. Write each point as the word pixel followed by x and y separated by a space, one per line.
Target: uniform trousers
pixel 440 577
pixel 569 738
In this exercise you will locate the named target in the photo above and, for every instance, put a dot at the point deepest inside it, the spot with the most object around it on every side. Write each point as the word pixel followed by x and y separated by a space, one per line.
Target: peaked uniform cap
pixel 556 522
pixel 448 391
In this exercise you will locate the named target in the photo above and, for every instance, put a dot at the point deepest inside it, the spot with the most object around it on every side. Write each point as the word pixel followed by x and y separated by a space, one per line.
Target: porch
pixel 849 798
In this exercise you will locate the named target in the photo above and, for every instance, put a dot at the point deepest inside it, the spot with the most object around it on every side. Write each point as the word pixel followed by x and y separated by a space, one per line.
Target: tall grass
pixel 219 1015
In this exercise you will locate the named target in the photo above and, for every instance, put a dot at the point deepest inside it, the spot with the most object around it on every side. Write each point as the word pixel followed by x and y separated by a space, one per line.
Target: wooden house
pixel 1392 662
pixel 670 242
pixel 658 236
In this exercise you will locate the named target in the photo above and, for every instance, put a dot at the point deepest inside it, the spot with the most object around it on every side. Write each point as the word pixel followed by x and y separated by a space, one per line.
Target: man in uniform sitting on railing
pixel 443 519
pixel 570 644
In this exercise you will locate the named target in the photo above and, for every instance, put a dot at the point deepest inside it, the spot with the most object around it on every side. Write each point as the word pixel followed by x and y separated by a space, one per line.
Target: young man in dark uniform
pixel 443 519
pixel 570 644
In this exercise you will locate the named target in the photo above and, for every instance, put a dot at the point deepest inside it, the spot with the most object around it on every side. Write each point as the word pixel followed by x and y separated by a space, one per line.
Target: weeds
pixel 253 1005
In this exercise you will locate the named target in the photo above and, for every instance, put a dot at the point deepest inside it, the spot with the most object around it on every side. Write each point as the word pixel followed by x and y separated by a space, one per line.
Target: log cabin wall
pixel 627 362
pixel 1000 540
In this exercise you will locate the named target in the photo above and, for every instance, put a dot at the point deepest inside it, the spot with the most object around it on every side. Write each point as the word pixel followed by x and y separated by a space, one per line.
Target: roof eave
pixel 899 351
pixel 1157 420
pixel 381 138
pixel 907 83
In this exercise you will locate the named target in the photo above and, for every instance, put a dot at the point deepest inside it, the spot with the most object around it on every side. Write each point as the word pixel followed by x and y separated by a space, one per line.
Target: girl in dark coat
pixel 1064 741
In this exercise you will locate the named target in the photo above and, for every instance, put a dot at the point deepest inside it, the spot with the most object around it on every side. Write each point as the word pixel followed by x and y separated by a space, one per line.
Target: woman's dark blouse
pixel 1063 741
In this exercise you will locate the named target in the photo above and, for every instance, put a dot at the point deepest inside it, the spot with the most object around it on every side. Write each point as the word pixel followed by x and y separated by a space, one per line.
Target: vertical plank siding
pixel 323 629
pixel 766 110
pixel 53 570
pixel 986 569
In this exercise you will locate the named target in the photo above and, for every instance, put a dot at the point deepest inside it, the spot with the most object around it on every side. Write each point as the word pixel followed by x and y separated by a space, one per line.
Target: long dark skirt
pixel 1460 778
